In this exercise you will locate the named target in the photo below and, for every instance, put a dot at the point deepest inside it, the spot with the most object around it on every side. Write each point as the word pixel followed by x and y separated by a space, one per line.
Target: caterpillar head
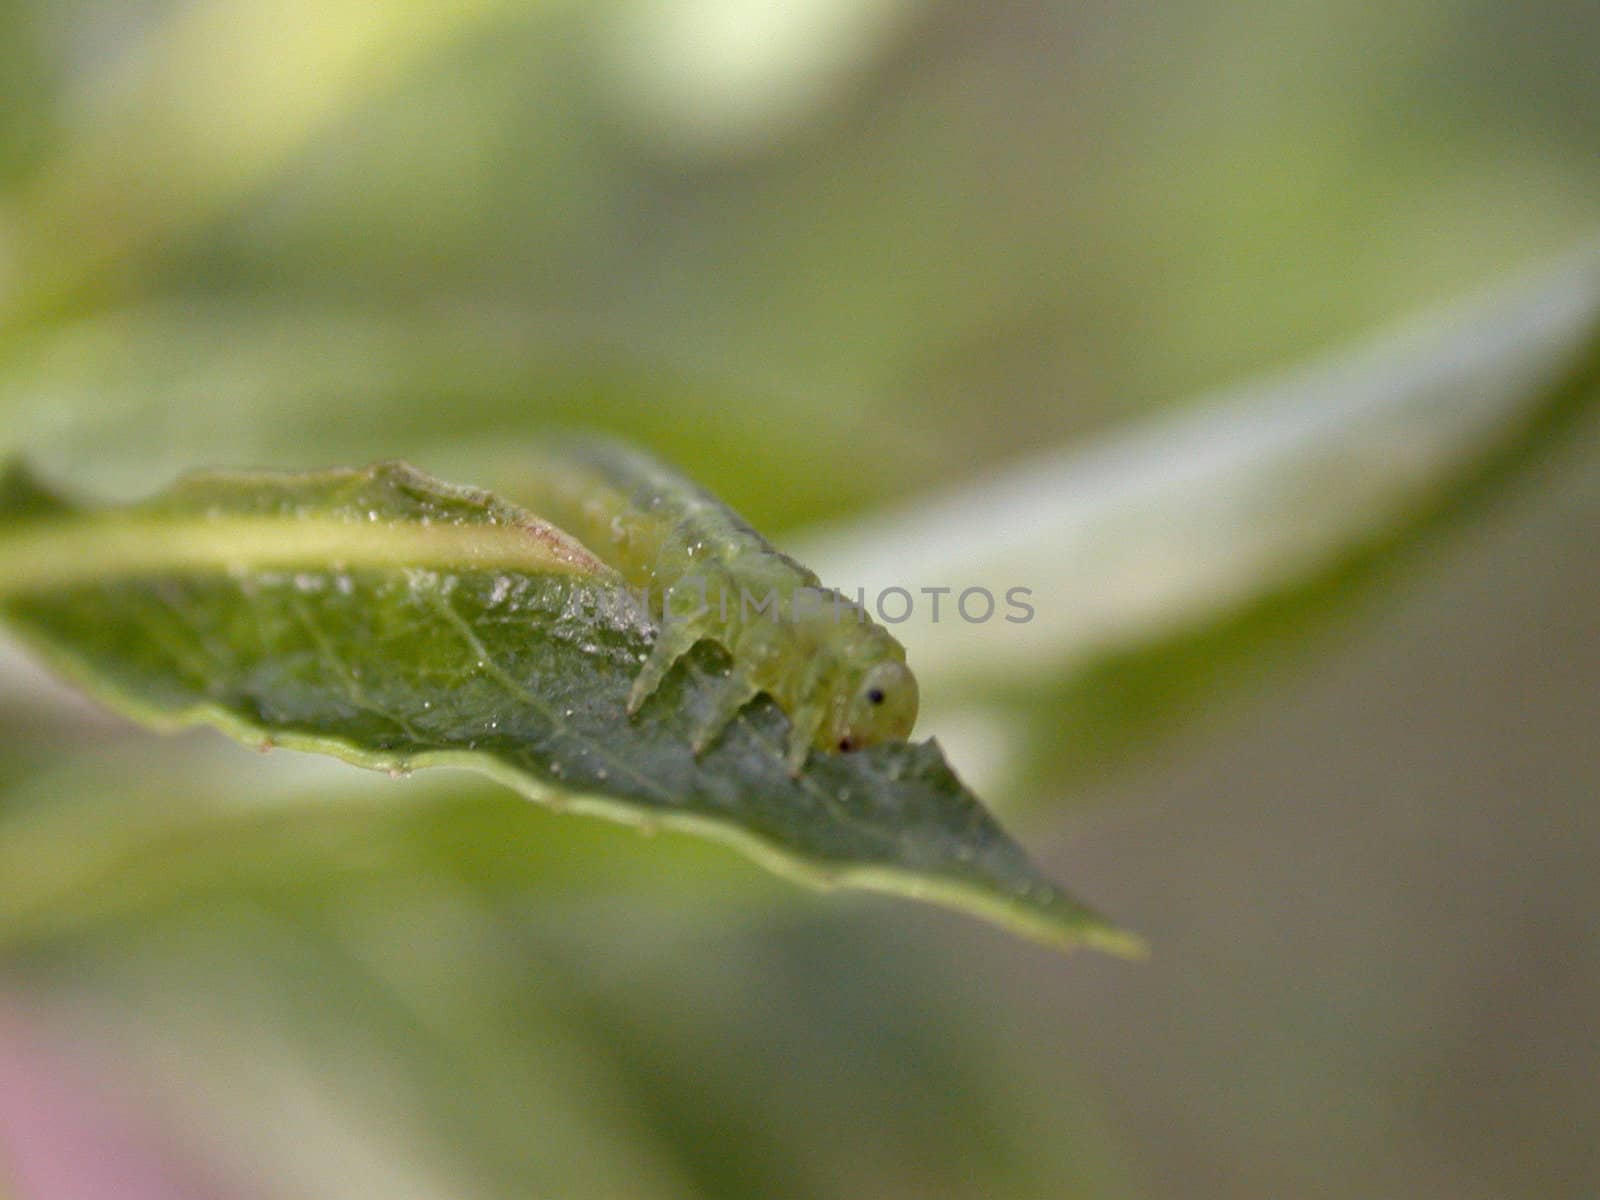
pixel 878 705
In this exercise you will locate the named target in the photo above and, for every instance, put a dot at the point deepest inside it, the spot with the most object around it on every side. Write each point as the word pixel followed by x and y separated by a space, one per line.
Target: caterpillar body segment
pixel 708 575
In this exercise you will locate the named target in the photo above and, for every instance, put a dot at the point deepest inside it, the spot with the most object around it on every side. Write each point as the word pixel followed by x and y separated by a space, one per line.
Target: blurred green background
pixel 827 255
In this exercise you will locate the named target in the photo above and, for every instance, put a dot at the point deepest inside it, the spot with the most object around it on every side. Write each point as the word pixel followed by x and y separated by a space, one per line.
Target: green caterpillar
pixel 842 680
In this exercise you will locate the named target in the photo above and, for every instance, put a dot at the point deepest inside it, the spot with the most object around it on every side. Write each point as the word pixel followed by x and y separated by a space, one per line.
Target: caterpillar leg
pixel 675 640
pixel 735 694
pixel 687 617
pixel 803 726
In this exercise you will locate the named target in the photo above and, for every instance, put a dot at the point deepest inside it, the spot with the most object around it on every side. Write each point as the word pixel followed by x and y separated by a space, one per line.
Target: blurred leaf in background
pixel 830 256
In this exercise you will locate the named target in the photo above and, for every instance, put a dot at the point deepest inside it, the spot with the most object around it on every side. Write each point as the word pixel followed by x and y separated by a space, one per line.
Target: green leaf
pixel 399 622
pixel 1172 560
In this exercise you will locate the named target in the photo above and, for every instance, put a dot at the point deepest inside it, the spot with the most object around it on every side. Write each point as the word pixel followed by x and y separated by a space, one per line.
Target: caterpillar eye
pixel 846 745
pixel 876 696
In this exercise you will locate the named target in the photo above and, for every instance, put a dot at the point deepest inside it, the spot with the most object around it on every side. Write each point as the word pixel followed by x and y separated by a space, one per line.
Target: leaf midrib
pixel 60 553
